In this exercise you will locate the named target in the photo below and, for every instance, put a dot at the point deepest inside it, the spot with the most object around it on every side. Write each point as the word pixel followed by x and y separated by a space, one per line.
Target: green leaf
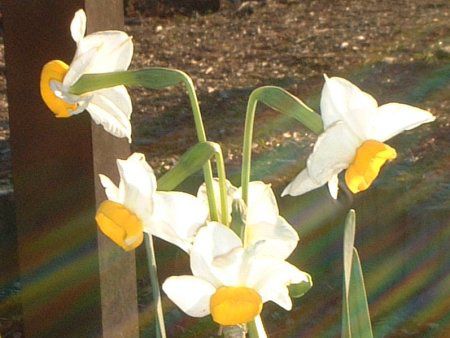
pixel 355 311
pixel 349 240
pixel 279 99
pixel 299 289
pixel 190 162
pixel 151 78
pixel 357 302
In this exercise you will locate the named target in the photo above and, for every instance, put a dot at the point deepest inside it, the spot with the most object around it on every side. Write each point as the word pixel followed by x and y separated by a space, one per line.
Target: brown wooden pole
pixel 75 282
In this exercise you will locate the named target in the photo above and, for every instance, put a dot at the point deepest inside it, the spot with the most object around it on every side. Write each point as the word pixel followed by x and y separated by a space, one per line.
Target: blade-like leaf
pixel 190 162
pixel 349 241
pixel 298 290
pixel 355 311
pixel 279 99
pixel 357 302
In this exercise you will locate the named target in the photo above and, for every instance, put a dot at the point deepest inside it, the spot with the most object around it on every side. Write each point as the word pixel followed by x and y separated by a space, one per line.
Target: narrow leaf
pixel 298 290
pixel 349 239
pixel 279 99
pixel 358 308
pixel 190 162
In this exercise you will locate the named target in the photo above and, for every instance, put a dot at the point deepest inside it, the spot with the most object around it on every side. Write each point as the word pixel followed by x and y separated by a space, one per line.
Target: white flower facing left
pixel 135 206
pixel 355 129
pixel 100 52
pixel 231 281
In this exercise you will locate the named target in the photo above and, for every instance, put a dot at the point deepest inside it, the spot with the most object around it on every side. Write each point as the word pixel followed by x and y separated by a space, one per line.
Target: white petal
pixel 277 239
pixel 393 118
pixel 334 150
pixel 190 294
pixel 262 204
pixel 343 101
pixel 78 25
pixel 270 277
pixel 301 184
pixel 227 268
pixel 139 184
pixel 333 186
pixel 111 107
pixel 183 213
pixel 111 190
pixel 101 52
pixel 231 190
pixel 212 241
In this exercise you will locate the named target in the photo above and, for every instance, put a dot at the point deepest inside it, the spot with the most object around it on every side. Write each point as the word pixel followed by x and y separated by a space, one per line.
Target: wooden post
pixel 75 282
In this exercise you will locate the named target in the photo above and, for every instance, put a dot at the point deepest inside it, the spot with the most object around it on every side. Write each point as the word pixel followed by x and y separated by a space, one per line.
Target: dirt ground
pixel 396 50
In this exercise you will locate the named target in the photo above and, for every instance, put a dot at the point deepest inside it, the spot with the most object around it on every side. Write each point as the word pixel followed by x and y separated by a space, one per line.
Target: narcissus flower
pixel 355 131
pixel 100 52
pixel 135 206
pixel 263 222
pixel 231 281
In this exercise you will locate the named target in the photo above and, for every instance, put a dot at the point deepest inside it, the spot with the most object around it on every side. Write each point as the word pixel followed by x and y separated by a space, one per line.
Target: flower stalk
pixel 151 263
pixel 282 101
pixel 154 78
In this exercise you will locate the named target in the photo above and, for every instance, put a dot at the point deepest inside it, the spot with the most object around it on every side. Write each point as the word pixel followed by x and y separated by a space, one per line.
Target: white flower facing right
pixel 355 129
pixel 231 281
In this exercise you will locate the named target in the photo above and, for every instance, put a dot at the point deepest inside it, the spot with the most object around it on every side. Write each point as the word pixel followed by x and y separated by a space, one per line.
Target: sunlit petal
pixel 181 212
pixel 101 52
pixel 343 101
pixel 190 294
pixel 277 239
pixel 111 108
pixel 139 183
pixel 270 277
pixel 212 241
pixel 301 184
pixel 262 205
pixel 334 151
pixel 333 186
pixel 393 118
pixel 78 25
pixel 111 190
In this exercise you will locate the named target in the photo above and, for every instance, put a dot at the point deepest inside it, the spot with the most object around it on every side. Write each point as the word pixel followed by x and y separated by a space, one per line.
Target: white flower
pixel 264 225
pixel 172 216
pixel 100 52
pixel 355 129
pixel 231 281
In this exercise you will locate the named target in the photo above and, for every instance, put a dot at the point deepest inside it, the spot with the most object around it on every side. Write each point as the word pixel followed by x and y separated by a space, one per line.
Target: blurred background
pixel 398 51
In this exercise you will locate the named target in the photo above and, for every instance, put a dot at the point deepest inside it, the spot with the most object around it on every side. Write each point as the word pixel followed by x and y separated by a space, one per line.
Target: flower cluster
pixel 233 272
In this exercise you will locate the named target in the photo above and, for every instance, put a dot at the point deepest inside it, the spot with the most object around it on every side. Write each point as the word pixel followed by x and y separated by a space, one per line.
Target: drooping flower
pixel 231 281
pixel 355 131
pixel 264 224
pixel 135 206
pixel 100 52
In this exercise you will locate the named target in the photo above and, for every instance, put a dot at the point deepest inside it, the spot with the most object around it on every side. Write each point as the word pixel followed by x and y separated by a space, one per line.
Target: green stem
pixel 247 147
pixel 278 99
pixel 154 78
pixel 151 261
pixel 222 185
pixel 201 135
